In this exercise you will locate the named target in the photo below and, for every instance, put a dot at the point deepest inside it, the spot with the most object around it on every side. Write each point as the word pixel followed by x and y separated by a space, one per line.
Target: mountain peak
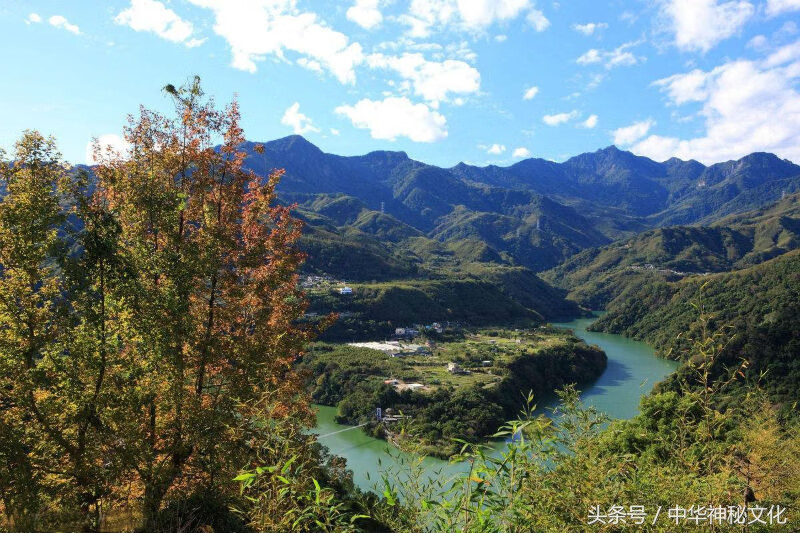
pixel 760 158
pixel 610 149
pixel 292 143
pixel 386 156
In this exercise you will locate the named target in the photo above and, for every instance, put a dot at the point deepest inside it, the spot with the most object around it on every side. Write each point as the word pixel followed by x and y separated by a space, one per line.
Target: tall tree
pixel 29 305
pixel 55 275
pixel 214 303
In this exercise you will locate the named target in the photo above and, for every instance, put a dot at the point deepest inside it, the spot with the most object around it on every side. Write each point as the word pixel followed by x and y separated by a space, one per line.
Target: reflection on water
pixel 632 371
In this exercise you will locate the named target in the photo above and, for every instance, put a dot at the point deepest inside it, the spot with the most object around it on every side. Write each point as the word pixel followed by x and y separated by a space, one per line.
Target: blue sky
pixel 481 81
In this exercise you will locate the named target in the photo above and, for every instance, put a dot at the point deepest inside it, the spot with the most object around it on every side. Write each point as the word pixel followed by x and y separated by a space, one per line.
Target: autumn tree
pixel 57 269
pixel 148 318
pixel 214 302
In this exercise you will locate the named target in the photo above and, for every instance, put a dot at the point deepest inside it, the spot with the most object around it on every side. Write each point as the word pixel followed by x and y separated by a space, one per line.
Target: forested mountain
pixel 755 310
pixel 596 276
pixel 384 217
pixel 534 213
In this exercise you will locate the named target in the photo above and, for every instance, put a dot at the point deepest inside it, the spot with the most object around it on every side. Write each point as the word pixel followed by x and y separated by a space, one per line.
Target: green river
pixel 632 371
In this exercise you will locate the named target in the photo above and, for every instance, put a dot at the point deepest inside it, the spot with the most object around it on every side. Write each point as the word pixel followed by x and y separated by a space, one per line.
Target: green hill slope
pixel 758 307
pixel 596 276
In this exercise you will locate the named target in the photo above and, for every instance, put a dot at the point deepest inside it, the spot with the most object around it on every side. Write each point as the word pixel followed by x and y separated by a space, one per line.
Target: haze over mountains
pixel 398 214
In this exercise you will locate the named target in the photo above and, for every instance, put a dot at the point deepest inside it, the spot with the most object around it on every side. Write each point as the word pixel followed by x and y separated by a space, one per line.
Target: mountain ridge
pixel 533 213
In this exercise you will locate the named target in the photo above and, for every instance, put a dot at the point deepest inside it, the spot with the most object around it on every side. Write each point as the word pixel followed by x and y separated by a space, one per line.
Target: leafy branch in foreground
pixel 682 449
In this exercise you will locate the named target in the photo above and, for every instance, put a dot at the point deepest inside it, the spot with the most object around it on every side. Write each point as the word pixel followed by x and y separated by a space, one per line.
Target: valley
pixel 439 314
pixel 378 266
pixel 461 383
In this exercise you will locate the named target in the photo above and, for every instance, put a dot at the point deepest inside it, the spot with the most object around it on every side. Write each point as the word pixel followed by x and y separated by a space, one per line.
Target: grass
pixel 496 345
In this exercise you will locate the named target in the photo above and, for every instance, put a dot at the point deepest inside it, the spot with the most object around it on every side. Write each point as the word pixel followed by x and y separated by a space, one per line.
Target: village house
pixel 454 368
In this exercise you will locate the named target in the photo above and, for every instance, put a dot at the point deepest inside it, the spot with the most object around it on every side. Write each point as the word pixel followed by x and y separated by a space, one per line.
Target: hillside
pixel 596 276
pixel 534 213
pixel 480 295
pixel 385 218
pixel 757 307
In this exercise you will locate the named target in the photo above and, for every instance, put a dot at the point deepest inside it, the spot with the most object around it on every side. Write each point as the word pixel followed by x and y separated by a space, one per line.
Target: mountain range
pixel 536 239
pixel 597 276
pixel 399 215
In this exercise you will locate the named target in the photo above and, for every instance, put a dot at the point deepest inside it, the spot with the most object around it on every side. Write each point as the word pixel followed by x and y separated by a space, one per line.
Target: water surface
pixel 632 371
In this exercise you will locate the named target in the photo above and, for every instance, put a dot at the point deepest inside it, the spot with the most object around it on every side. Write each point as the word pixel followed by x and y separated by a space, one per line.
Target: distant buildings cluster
pixel 409 332
pixel 312 281
pixel 401 386
pixel 395 348
pixel 652 268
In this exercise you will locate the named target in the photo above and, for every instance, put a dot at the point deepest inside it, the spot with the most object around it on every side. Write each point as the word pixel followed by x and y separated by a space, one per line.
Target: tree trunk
pixel 153 496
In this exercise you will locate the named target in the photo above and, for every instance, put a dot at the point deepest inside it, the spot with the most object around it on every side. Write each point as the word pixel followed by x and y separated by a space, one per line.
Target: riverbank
pixel 459 389
pixel 631 372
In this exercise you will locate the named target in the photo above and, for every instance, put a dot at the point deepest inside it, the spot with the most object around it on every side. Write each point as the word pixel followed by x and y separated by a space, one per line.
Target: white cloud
pixel 629 17
pixel 530 92
pixel 776 7
pixel 747 105
pixel 590 122
pixel 433 80
pixel 259 28
pixel 495 149
pixel 299 122
pixel 589 28
pixel 59 21
pixel 521 152
pixel 33 18
pixel 336 132
pixel 699 25
pixel 592 56
pixel 396 117
pixel 688 87
pixel 365 13
pixel 110 144
pixel 468 15
pixel 759 42
pixel 153 16
pixel 559 118
pixel 630 134
pixel 618 57
pixel 785 54
pixel 501 38
pixel 194 43
pixel 537 19
pixel 789 28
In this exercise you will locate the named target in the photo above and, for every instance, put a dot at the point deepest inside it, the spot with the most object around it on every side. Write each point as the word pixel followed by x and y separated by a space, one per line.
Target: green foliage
pixel 337 370
pixel 468 409
pixel 200 511
pixel 597 276
pixel 59 337
pixel 294 489
pixel 554 471
pixel 759 305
